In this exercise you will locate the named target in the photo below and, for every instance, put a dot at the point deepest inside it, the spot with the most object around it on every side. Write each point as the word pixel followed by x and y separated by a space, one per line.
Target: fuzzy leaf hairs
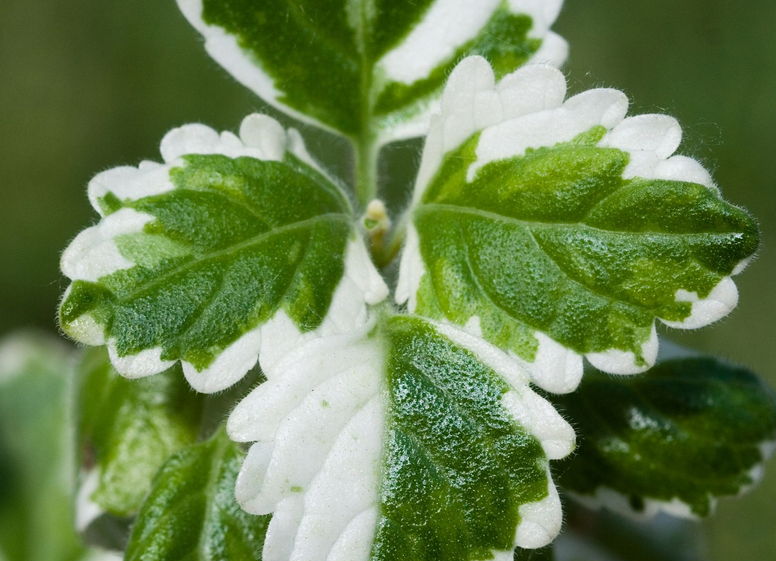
pixel 410 439
pixel 559 229
pixel 231 248
pixel 542 230
pixel 370 70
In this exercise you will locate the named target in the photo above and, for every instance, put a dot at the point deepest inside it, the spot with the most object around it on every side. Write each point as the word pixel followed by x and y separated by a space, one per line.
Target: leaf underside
pixel 128 428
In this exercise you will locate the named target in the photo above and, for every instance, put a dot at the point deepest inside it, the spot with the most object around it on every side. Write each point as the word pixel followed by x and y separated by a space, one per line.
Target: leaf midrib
pixel 539 224
pixel 530 226
pixel 255 240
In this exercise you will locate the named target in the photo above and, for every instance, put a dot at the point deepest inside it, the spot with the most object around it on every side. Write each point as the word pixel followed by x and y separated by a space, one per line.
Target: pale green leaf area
pixel 690 429
pixel 557 241
pixel 191 513
pixel 36 476
pixel 322 55
pixel 128 428
pixel 457 466
pixel 236 241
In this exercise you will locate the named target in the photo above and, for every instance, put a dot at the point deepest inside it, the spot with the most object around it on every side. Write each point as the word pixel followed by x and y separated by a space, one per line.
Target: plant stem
pixel 366 169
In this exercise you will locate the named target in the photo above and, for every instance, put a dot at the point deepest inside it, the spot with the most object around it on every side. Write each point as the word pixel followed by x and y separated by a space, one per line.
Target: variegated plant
pixel 543 231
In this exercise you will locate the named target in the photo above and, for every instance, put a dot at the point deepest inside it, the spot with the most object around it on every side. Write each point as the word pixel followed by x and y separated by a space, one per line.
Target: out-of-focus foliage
pixel 36 453
pixel 88 85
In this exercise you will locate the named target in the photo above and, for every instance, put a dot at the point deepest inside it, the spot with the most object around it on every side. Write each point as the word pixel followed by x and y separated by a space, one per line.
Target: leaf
pixel 127 430
pixel 191 512
pixel 368 68
pixel 559 229
pixel 686 432
pixel 407 440
pixel 36 519
pixel 232 245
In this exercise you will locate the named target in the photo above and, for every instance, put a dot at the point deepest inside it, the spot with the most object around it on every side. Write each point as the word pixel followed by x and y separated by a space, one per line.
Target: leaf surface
pixel 127 430
pixel 192 259
pixel 368 68
pixel 409 439
pixel 674 439
pixel 191 512
pixel 560 229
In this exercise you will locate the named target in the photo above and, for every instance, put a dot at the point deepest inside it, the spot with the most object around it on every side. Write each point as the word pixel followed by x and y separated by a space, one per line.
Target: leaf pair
pixel 542 230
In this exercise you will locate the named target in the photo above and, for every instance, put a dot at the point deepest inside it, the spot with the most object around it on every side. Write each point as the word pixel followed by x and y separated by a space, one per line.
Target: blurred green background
pixel 88 84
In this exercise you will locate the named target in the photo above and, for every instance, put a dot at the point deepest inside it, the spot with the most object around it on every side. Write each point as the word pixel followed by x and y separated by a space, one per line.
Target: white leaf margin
pixel 448 25
pixel 94 254
pixel 445 27
pixel 317 433
pixel 606 498
pixel 529 109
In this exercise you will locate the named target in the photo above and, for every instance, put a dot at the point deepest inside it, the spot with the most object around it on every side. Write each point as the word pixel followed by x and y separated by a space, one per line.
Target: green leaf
pixel 191 512
pixel 674 439
pixel 127 429
pixel 36 459
pixel 368 68
pixel 194 256
pixel 558 229
pixel 407 440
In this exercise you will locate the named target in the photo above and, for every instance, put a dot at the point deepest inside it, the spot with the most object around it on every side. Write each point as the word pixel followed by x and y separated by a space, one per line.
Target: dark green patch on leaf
pixel 236 241
pixel 322 55
pixel 557 241
pixel 689 429
pixel 191 512
pixel 457 466
pixel 128 428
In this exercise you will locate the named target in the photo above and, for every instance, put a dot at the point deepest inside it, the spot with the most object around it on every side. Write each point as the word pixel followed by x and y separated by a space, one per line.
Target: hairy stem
pixel 366 169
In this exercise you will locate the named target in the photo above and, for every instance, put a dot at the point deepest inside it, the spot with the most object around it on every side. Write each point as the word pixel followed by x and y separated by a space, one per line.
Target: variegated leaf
pixel 369 69
pixel 561 229
pixel 675 439
pixel 408 440
pixel 203 257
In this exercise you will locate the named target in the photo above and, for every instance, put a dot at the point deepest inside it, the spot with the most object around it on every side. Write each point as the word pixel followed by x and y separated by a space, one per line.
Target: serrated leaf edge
pixel 94 254
pixel 529 109
pixel 294 413
pixel 443 15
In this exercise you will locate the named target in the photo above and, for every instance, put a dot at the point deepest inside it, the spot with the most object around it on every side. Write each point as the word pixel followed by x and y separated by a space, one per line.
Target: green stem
pixel 366 169
pixel 365 143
